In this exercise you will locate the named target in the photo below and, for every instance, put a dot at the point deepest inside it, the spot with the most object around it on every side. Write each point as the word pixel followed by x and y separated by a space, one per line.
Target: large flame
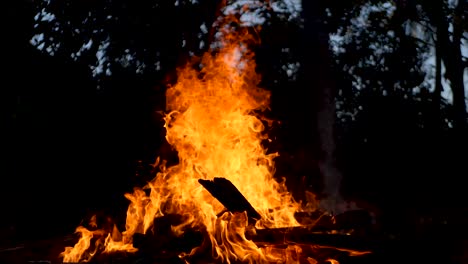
pixel 212 121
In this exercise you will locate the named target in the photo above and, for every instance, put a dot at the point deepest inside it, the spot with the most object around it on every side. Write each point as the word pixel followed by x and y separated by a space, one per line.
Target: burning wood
pixel 304 235
pixel 317 221
pixel 226 193
pixel 223 190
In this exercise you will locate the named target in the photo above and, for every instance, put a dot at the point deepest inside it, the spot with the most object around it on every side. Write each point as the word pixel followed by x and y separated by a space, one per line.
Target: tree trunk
pixel 319 81
pixel 452 57
pixel 441 34
pixel 458 86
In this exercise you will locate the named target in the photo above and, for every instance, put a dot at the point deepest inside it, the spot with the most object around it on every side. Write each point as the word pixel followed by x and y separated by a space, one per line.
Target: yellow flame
pixel 213 125
pixel 80 252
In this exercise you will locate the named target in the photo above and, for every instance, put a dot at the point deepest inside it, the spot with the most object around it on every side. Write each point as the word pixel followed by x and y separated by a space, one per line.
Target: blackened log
pixel 359 221
pixel 303 235
pixel 320 231
pixel 161 237
pixel 229 196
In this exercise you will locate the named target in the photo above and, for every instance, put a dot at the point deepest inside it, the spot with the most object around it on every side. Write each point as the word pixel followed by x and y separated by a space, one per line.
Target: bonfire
pixel 223 187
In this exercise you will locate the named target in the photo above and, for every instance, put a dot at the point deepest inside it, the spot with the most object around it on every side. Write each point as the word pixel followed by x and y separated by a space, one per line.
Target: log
pixel 229 196
pixel 359 221
pixel 303 235
pixel 161 238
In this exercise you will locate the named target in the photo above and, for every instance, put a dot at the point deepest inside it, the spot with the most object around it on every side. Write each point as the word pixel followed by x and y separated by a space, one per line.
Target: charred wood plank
pixel 229 196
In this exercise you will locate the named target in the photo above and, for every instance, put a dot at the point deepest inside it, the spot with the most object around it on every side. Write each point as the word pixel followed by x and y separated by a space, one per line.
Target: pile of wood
pixel 321 241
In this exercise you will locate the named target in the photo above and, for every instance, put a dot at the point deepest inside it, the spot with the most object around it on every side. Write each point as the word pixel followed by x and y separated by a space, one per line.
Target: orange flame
pixel 213 125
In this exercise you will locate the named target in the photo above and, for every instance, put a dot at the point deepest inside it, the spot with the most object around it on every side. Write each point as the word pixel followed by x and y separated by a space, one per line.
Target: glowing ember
pixel 212 124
